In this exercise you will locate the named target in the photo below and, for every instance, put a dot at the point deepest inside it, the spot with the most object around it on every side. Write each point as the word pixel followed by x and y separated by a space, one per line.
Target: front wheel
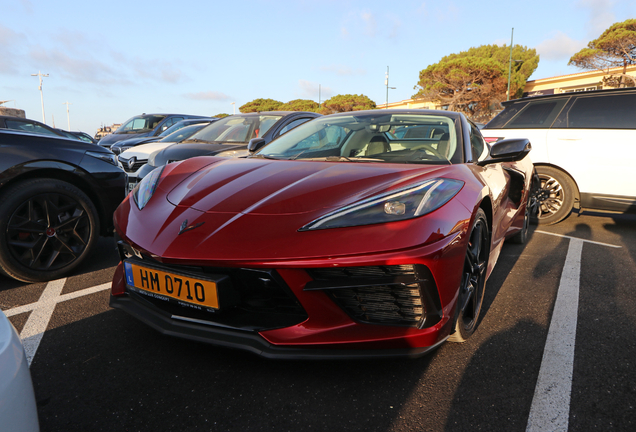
pixel 47 228
pixel 554 198
pixel 473 284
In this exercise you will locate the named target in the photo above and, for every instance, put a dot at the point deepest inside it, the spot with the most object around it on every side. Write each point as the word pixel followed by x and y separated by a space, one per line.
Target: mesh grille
pixel 396 304
pixel 389 295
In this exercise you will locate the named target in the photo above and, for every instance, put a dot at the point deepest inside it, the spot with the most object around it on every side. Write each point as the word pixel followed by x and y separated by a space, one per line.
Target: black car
pixel 123 145
pixel 145 125
pixel 58 195
pixel 230 136
pixel 31 126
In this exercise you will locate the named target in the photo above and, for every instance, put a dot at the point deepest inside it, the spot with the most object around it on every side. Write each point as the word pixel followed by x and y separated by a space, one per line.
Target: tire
pixel 522 236
pixel 47 228
pixel 473 284
pixel 554 196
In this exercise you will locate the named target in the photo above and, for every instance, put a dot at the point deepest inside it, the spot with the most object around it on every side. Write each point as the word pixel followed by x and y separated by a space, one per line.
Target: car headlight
pixel 146 187
pixel 233 153
pixel 106 157
pixel 407 203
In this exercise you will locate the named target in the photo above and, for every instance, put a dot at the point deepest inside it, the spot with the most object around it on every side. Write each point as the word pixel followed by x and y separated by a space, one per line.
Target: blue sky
pixel 113 60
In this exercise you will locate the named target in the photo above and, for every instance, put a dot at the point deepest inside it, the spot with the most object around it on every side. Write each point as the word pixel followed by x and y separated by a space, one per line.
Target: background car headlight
pixel 233 153
pixel 106 157
pixel 144 190
pixel 406 203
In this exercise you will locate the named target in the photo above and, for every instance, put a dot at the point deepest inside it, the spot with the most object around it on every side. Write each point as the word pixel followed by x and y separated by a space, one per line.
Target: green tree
pixel 221 115
pixel 616 47
pixel 347 102
pixel 300 105
pixel 258 105
pixel 475 81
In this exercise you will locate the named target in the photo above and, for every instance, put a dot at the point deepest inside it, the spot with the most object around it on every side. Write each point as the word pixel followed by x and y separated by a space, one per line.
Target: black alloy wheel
pixel 554 197
pixel 473 284
pixel 522 236
pixel 47 227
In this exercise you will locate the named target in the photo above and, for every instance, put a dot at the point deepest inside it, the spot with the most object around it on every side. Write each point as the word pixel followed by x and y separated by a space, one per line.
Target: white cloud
pixel 313 90
pixel 208 95
pixel 601 16
pixel 342 70
pixel 10 45
pixel 559 47
pixel 370 25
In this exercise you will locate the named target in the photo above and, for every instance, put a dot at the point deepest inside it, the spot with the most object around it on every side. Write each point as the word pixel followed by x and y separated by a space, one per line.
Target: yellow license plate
pixel 160 284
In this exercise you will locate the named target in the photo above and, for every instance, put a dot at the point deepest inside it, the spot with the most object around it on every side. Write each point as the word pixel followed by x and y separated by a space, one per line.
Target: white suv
pixel 583 148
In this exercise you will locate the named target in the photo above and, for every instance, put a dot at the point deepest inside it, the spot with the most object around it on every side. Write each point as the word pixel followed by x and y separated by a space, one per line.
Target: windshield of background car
pixel 144 123
pixel 183 133
pixel 236 129
pixel 396 138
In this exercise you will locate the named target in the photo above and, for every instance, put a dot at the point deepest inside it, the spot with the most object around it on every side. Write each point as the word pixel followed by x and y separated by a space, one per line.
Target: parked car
pixel 18 410
pixel 582 148
pixel 335 240
pixel 58 195
pixel 123 145
pixel 31 126
pixel 84 136
pixel 135 158
pixel 227 138
pixel 145 125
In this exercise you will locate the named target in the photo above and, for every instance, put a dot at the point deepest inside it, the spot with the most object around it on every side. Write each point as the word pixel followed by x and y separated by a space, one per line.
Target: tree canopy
pixel 300 105
pixel 258 105
pixel 473 81
pixel 616 47
pixel 346 102
pixel 220 115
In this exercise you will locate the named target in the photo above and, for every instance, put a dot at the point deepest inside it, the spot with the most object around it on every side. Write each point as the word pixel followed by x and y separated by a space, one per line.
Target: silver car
pixel 18 412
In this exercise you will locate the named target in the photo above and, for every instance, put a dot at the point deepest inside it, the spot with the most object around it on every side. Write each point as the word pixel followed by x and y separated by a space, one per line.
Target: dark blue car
pixel 145 125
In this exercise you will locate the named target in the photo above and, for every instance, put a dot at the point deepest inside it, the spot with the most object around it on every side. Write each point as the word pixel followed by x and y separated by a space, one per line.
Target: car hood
pixel 143 151
pixel 190 150
pixel 112 138
pixel 209 209
pixel 257 186
pixel 137 141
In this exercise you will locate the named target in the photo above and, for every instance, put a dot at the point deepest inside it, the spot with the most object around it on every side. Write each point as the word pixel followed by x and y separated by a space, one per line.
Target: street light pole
pixel 386 83
pixel 40 75
pixel 510 65
pixel 68 116
pixel 233 107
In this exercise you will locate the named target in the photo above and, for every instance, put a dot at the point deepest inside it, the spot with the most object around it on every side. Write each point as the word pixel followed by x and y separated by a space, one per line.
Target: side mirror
pixel 255 144
pixel 508 150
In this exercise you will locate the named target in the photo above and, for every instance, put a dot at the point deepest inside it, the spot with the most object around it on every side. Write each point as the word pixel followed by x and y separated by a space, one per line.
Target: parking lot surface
pixel 555 350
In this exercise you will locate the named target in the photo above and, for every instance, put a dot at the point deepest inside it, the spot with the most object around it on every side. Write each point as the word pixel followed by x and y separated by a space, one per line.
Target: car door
pixel 594 140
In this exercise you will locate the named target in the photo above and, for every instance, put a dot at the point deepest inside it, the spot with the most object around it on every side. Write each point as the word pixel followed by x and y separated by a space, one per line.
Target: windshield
pixel 398 138
pixel 139 124
pixel 183 133
pixel 236 129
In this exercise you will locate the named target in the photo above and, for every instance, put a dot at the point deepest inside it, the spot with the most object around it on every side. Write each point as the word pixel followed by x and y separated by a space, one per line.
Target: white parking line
pixel 38 321
pixel 550 410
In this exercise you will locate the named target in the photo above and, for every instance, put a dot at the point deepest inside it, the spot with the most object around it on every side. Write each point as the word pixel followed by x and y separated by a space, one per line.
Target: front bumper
pixel 248 340
pixel 330 329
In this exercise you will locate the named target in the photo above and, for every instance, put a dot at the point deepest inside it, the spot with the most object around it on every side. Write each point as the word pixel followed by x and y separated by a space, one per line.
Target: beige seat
pixel 378 144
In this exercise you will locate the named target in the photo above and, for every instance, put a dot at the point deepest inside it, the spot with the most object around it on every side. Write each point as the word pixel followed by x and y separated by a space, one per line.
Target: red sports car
pixel 360 234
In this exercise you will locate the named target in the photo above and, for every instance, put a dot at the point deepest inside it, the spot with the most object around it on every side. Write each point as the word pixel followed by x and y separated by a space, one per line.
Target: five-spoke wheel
pixel 47 227
pixel 473 283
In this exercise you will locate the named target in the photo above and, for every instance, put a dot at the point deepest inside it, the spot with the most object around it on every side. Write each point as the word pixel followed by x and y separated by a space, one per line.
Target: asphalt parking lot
pixel 555 350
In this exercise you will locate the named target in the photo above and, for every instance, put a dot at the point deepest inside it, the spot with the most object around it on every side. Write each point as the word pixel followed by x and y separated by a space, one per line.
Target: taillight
pixel 492 140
